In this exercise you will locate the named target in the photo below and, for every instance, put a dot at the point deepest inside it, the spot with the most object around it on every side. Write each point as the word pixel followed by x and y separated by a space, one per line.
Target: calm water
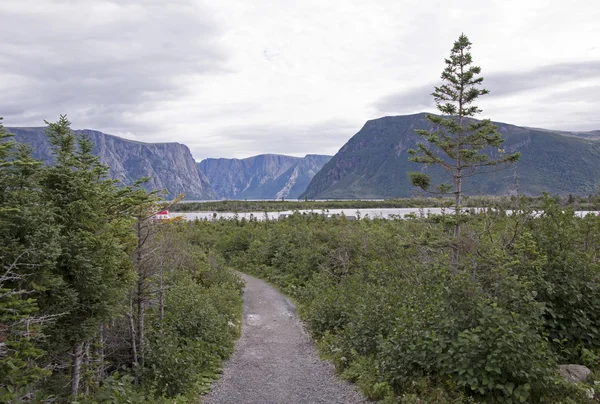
pixel 371 213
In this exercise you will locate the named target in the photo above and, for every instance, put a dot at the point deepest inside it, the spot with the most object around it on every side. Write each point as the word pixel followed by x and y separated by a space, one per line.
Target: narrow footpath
pixel 275 360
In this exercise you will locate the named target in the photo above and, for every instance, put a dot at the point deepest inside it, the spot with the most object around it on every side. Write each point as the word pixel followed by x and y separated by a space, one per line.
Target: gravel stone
pixel 275 360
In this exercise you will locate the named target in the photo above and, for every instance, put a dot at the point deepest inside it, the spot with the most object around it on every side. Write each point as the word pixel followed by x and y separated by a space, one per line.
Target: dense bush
pixel 396 315
pixel 199 328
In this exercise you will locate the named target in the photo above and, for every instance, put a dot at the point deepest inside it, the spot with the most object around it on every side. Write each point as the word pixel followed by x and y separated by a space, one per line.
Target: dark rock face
pixel 170 166
pixel 374 162
pixel 267 176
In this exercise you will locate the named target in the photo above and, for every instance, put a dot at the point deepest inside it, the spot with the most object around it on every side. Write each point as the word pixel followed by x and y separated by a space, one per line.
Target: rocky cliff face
pixel 170 166
pixel 267 176
pixel 374 162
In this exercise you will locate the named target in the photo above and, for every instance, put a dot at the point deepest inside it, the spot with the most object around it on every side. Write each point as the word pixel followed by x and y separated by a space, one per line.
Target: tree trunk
pixel 134 354
pixel 458 180
pixel 161 295
pixel 140 320
pixel 86 362
pixel 99 354
pixel 458 201
pixel 458 194
pixel 76 368
pixel 456 248
pixel 140 295
pixel 517 185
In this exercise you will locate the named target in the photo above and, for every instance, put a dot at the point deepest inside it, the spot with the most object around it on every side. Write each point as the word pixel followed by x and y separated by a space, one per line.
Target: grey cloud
pixel 320 138
pixel 586 94
pixel 545 76
pixel 101 70
pixel 544 115
pixel 410 100
pixel 499 84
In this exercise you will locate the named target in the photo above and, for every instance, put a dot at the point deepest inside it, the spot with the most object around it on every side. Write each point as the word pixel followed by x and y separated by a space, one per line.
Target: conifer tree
pixel 96 237
pixel 66 239
pixel 28 250
pixel 461 145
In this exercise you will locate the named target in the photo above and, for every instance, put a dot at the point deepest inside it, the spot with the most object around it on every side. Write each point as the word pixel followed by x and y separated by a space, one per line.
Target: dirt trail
pixel 275 361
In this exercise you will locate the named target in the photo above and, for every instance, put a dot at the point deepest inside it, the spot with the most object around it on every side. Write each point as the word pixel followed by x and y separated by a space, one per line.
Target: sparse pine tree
pixel 459 144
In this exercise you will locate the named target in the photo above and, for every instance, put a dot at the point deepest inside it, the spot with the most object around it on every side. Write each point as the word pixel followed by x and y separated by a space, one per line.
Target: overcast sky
pixel 235 78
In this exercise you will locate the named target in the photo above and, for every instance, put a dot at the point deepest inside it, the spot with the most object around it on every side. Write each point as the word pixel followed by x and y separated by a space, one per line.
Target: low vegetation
pixel 499 202
pixel 397 316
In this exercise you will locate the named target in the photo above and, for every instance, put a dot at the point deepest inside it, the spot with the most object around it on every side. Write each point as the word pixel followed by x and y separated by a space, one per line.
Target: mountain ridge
pixel 170 165
pixel 371 164
pixel 264 176
pixel 374 162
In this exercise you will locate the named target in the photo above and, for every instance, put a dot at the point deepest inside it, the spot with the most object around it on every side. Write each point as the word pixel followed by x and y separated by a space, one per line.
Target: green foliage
pixel 116 389
pixel 382 297
pixel 121 389
pixel 459 145
pixel 420 180
pixel 18 352
pixel 397 317
pixel 66 237
pixel 27 252
pixel 186 347
pixel 95 240
pixel 278 206
pixel 590 202
pixel 568 280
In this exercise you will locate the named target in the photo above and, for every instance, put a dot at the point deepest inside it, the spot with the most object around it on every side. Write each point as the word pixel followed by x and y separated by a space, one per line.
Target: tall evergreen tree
pixel 95 219
pixel 28 250
pixel 66 242
pixel 459 144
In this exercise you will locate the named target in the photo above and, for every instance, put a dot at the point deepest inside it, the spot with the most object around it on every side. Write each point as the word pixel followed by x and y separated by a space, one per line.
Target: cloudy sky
pixel 235 78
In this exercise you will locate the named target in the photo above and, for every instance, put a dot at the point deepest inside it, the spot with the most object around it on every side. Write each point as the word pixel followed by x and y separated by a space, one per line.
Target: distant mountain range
pixel 374 162
pixel 170 166
pixel 267 176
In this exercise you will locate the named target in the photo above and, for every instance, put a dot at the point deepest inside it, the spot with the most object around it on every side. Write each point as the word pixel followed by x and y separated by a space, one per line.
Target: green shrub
pixel 569 280
pixel 387 304
pixel 185 349
pixel 117 389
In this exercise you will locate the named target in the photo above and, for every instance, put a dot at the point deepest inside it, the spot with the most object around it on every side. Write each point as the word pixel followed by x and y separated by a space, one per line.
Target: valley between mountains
pixel 372 164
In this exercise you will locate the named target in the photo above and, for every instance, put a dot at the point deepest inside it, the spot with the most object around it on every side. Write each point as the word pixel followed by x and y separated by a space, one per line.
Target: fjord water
pixel 390 213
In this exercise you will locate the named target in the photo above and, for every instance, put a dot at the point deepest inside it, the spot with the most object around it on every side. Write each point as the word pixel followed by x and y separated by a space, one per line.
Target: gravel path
pixel 275 361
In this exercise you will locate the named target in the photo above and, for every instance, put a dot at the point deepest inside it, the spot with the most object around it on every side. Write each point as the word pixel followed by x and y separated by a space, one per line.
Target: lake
pixel 371 213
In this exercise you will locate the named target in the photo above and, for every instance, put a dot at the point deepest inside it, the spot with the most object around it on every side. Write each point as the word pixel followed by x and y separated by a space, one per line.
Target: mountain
pixel 170 165
pixel 374 162
pixel 266 176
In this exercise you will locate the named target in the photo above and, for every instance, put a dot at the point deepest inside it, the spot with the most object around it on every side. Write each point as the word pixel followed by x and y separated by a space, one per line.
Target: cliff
pixel 170 166
pixel 266 176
